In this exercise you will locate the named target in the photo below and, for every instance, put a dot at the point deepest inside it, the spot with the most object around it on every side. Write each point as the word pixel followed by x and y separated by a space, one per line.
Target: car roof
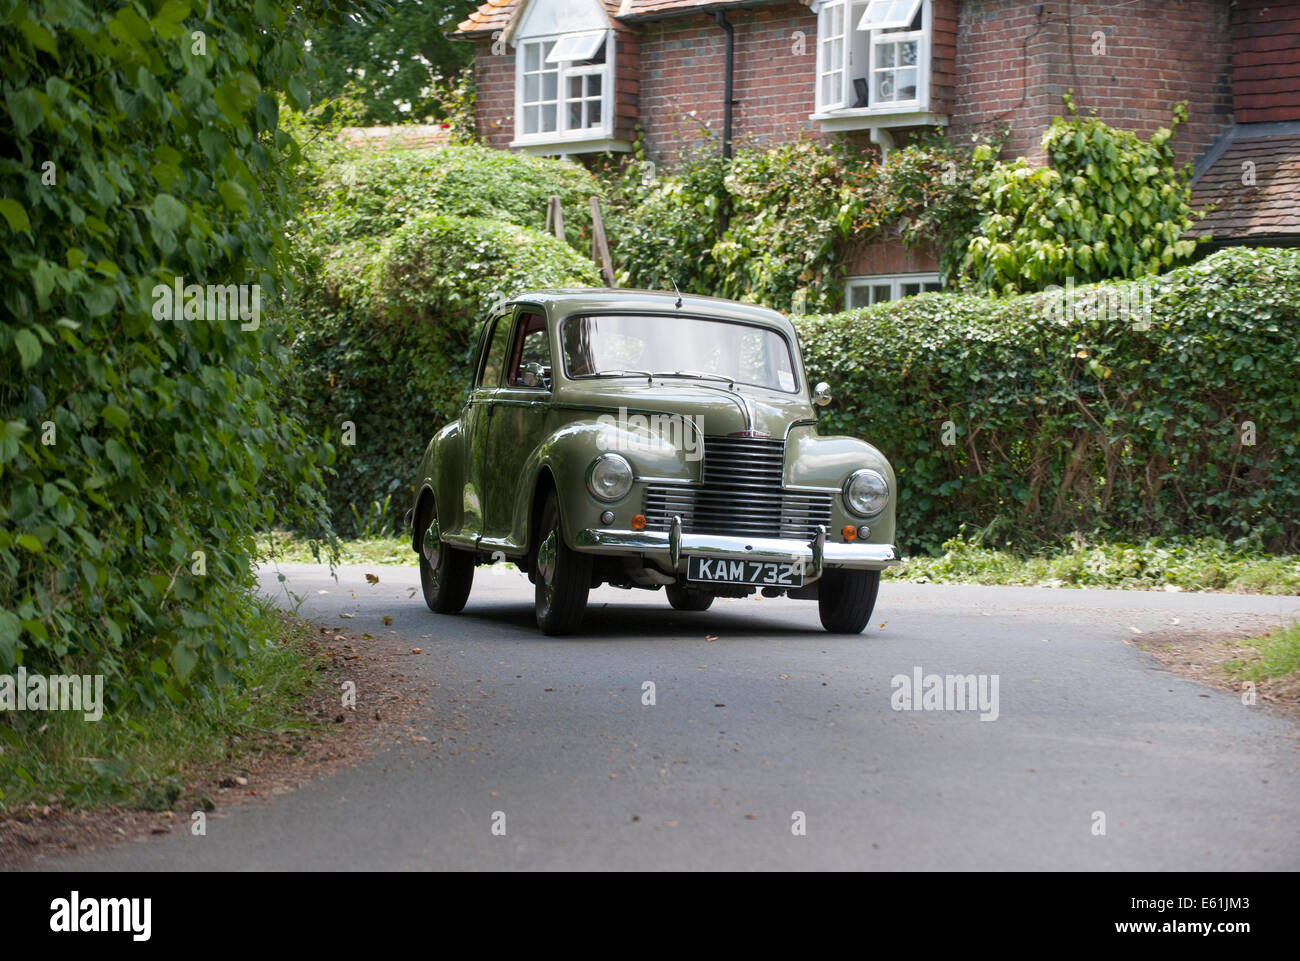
pixel 560 302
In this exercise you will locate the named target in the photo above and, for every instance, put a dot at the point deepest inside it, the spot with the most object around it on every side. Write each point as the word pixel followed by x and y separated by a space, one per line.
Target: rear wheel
pixel 563 576
pixel 845 599
pixel 685 599
pixel 446 574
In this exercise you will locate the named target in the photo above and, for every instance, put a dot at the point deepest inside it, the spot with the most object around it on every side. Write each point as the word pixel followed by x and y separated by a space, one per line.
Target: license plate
pixel 714 570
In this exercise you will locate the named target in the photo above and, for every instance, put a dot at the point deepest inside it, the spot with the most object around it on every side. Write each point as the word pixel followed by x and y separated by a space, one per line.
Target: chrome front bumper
pixel 672 546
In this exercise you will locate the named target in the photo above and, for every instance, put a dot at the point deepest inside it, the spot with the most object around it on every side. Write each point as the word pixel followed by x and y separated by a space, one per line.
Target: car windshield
pixel 671 345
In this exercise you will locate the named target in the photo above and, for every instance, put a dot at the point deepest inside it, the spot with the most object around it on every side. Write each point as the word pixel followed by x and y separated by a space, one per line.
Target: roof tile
pixel 1269 207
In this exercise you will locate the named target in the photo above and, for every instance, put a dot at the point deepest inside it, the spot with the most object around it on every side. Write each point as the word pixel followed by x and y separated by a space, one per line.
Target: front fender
pixel 813 462
pixel 567 454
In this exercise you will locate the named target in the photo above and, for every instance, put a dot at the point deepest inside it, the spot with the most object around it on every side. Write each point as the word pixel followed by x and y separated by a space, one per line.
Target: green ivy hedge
pixel 140 453
pixel 1065 415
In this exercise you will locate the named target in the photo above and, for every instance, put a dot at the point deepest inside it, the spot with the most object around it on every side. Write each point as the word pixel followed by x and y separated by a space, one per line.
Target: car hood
pixel 716 409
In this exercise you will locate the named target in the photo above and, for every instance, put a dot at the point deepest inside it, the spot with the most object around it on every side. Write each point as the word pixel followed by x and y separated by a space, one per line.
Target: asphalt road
pixel 776 717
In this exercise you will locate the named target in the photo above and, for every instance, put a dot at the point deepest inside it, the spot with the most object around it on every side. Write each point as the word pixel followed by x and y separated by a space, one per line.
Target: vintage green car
pixel 645 440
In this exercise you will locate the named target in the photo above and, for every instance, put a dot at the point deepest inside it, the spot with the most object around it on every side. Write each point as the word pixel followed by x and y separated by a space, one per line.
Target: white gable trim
pixel 549 18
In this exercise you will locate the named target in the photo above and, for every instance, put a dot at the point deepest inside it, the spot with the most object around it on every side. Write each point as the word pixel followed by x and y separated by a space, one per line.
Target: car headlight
pixel 609 477
pixel 866 492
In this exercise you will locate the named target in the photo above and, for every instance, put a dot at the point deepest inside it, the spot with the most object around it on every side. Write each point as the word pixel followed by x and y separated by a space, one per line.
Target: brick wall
pixel 682 66
pixel 494 76
pixel 1014 62
pixel 1266 61
pixel 888 257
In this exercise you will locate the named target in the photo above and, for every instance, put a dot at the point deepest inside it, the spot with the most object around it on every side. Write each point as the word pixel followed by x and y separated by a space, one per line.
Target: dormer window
pixel 564 77
pixel 873 59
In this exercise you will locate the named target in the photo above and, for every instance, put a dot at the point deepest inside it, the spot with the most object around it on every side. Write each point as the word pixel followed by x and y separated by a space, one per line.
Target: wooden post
pixel 554 216
pixel 599 246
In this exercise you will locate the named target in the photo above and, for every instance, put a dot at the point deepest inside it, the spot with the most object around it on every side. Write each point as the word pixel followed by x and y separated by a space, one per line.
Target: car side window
pixel 530 348
pixel 494 360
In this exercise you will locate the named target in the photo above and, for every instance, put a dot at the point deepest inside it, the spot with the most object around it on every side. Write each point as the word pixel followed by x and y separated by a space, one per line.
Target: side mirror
pixel 532 375
pixel 822 394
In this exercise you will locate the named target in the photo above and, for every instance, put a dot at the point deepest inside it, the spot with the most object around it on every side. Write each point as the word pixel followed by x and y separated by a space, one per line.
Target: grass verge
pixel 146 760
pixel 1194 565
pixel 1273 658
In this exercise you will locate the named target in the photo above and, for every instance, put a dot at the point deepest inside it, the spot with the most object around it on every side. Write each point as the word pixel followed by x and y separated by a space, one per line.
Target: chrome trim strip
pixel 661 544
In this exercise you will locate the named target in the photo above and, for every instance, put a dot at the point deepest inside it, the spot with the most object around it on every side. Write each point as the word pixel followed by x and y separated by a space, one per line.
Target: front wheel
pixel 845 599
pixel 446 574
pixel 684 599
pixel 563 576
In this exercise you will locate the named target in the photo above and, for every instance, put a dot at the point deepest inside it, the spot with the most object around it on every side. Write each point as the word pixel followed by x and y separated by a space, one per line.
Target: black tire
pixel 845 599
pixel 447 576
pixel 563 576
pixel 684 599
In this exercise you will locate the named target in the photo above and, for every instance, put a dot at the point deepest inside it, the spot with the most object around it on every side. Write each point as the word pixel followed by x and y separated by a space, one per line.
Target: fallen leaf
pixel 415 650
pixel 710 637
pixel 344 614
pixel 1135 630
pixel 386 620
pixel 883 623
pixel 372 579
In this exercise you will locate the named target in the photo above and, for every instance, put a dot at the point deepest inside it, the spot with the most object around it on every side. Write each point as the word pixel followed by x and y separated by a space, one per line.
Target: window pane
pixel 575 115
pixel 885 54
pixel 578 46
pixel 907 54
pixel 531 87
pixel 858 296
pixel 905 84
pixel 548 118
pixel 575 88
pixel 887 14
pixel 881 293
pixel 532 56
pixel 550 84
pixel 593 113
pixel 593 84
pixel 932 285
pixel 530 120
pixel 911 290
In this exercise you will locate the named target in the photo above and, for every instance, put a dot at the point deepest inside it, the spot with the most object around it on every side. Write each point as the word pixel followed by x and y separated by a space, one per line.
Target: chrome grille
pixel 741 495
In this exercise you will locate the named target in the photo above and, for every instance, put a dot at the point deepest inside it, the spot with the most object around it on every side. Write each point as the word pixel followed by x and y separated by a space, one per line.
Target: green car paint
pixel 489 471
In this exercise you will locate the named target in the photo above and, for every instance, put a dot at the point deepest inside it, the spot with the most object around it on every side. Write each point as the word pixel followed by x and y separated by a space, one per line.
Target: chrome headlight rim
pixel 625 486
pixel 882 493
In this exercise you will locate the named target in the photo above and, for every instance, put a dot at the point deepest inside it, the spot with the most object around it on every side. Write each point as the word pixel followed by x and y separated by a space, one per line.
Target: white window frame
pixel 859 44
pixel 565 70
pixel 895 282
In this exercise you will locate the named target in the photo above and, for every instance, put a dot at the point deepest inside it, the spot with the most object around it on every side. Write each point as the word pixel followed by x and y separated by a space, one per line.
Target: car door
pixel 519 426
pixel 477 422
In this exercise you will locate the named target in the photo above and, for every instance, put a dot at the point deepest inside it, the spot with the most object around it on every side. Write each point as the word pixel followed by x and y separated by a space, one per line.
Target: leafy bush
pixel 138 456
pixel 764 227
pixel 389 329
pixel 361 194
pixel 1038 415
pixel 1108 206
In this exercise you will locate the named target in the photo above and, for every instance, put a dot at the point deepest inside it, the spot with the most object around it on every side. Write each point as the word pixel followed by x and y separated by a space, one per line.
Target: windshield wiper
pixel 621 373
pixel 695 373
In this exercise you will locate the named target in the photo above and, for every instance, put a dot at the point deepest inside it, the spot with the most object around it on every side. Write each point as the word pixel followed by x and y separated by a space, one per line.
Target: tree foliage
pixel 397 63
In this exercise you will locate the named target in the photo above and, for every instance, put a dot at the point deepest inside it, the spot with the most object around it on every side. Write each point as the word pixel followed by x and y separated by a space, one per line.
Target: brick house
pixel 574 77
